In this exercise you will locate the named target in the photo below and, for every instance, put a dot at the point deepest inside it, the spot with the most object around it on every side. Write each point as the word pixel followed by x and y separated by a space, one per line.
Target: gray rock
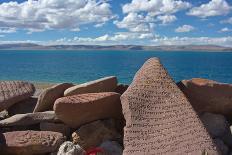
pixel 112 148
pixel 216 124
pixel 56 127
pixel 3 115
pixel 47 98
pixel 221 146
pixel 29 119
pixel 68 148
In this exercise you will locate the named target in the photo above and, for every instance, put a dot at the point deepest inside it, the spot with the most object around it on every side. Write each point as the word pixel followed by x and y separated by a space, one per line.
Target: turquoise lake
pixel 82 66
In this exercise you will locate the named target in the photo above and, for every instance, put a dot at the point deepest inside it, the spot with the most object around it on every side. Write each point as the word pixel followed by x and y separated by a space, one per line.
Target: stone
pixel 68 148
pixel 159 118
pixel 3 115
pixel 23 107
pixel 121 88
pixel 80 109
pixel 107 84
pixel 29 119
pixel 224 150
pixel 208 96
pixel 12 92
pixel 111 148
pixel 56 127
pixel 93 134
pixel 30 142
pixel 48 96
pixel 216 124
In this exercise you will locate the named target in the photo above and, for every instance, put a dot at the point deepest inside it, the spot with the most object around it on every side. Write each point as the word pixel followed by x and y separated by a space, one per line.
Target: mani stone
pixel 81 109
pixel 93 134
pixel 29 119
pixel 30 142
pixel 12 92
pixel 23 107
pixel 107 84
pixel 208 96
pixel 159 119
pixel 47 98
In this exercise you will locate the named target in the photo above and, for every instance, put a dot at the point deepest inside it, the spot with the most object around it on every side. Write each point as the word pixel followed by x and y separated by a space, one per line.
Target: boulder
pixel 23 107
pixel 30 142
pixel 208 96
pixel 47 98
pixel 77 110
pixel 29 119
pixel 12 92
pixel 56 127
pixel 159 118
pixel 224 150
pixel 93 134
pixel 111 148
pixel 107 84
pixel 216 124
pixel 121 88
pixel 68 148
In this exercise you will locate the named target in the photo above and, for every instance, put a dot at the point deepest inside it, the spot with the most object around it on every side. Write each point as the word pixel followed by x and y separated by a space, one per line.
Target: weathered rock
pixel 93 134
pixel 80 109
pixel 12 92
pixel 4 114
pixel 221 146
pixel 23 107
pixel 121 88
pixel 208 96
pixel 111 148
pixel 68 148
pixel 56 127
pixel 30 142
pixel 48 97
pixel 216 124
pixel 107 84
pixel 159 118
pixel 29 119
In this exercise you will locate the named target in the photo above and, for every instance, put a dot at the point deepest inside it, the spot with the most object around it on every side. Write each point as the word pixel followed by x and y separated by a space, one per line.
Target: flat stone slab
pixel 48 97
pixel 12 92
pixel 107 84
pixel 30 142
pixel 29 119
pixel 80 109
pixel 159 118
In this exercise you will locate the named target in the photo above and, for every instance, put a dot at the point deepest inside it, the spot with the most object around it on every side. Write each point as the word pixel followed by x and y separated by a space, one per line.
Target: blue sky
pixel 106 22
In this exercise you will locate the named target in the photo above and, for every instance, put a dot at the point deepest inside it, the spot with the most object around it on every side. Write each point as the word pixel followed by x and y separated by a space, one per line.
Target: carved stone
pixel 81 109
pixel 159 119
pixel 107 84
pixel 30 142
pixel 12 92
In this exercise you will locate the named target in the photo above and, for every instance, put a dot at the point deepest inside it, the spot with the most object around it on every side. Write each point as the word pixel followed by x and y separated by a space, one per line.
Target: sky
pixel 114 22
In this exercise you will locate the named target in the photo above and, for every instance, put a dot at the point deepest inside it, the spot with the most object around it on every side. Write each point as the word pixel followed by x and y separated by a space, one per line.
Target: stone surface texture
pixel 68 148
pixel 12 92
pixel 77 110
pixel 56 127
pixel 107 84
pixel 159 118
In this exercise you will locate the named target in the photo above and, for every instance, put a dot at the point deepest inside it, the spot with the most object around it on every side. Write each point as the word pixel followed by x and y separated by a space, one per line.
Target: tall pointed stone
pixel 159 119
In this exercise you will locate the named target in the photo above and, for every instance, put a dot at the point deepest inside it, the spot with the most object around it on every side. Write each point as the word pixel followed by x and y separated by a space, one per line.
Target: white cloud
pixel 167 18
pixel 213 8
pixel 7 30
pixel 40 15
pixel 184 28
pixel 225 29
pixel 156 7
pixel 227 21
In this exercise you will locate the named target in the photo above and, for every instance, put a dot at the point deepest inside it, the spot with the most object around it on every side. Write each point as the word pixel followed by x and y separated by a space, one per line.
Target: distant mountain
pixel 30 46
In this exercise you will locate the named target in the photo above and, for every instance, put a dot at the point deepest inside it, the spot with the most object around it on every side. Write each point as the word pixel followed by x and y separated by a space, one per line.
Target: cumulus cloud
pixel 167 18
pixel 38 15
pixel 184 28
pixel 227 21
pixel 225 29
pixel 213 8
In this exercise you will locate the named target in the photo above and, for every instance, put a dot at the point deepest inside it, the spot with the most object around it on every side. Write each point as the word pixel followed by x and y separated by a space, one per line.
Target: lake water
pixel 82 66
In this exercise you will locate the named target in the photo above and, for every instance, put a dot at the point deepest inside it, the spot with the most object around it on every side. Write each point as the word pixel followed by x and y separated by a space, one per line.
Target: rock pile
pixel 151 116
